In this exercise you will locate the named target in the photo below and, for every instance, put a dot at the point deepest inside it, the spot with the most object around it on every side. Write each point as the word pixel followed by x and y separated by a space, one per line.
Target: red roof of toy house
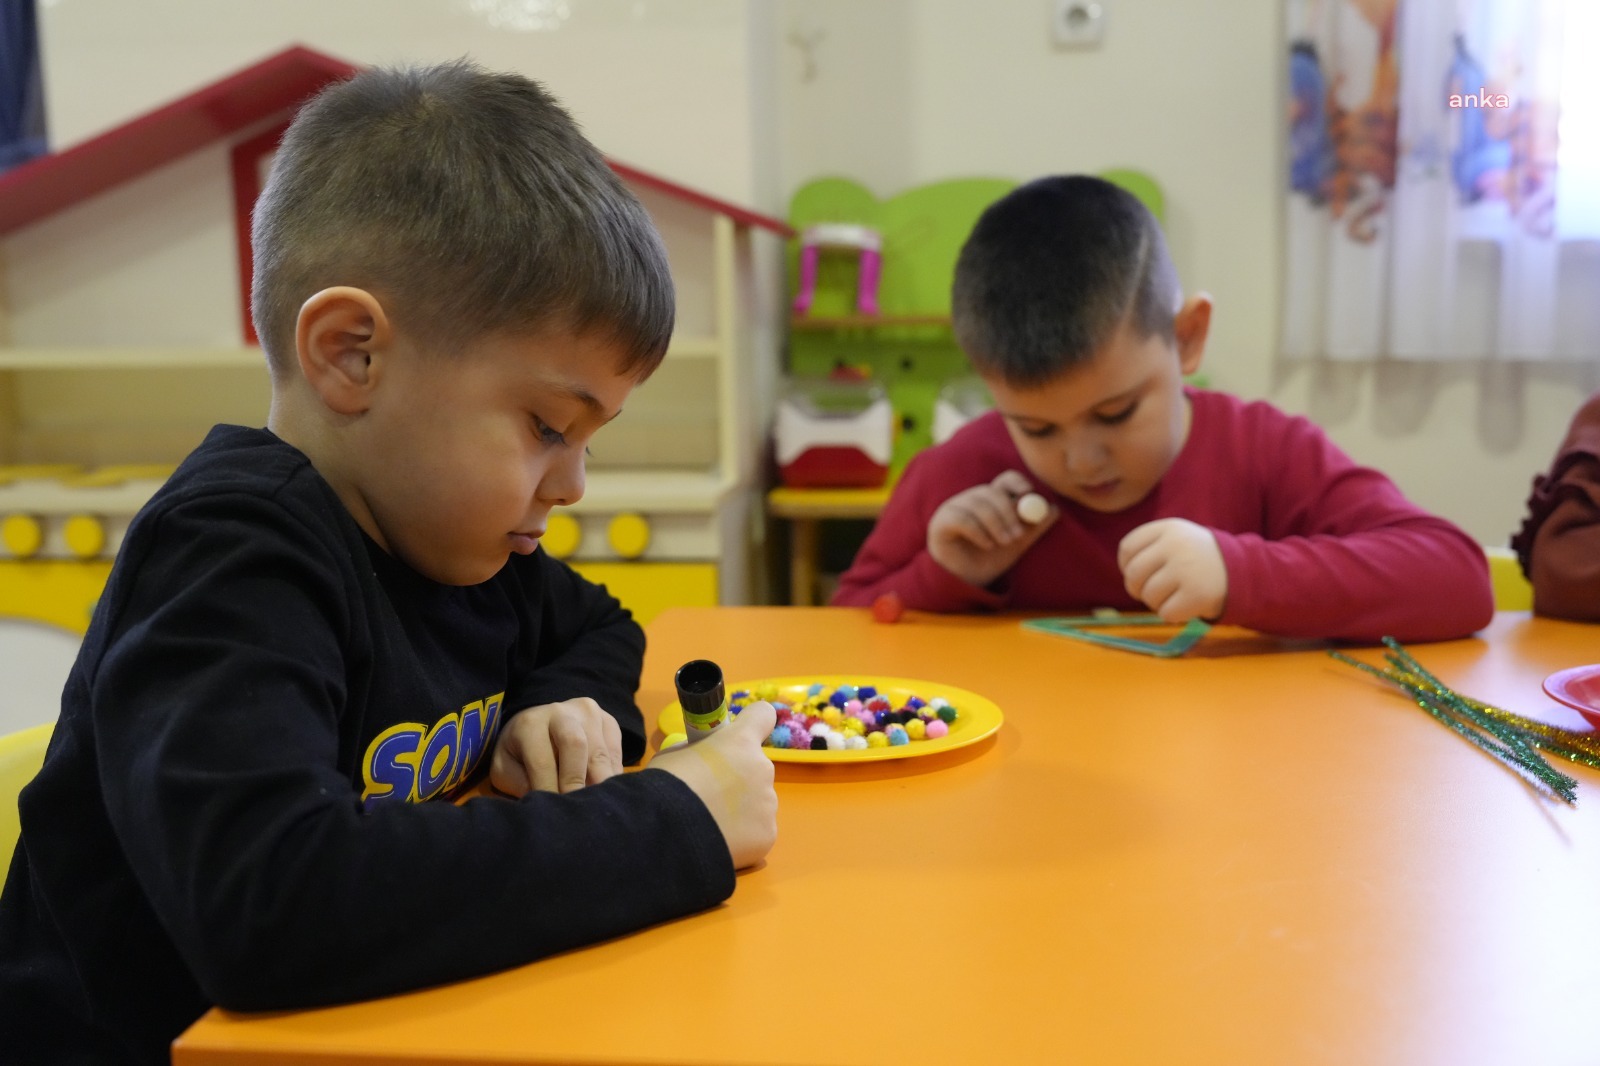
pixel 274 86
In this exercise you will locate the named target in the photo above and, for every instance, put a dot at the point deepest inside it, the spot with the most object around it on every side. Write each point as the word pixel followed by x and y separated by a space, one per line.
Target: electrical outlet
pixel 1078 23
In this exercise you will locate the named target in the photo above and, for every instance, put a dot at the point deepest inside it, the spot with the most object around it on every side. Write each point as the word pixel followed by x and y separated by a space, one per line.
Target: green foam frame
pixel 1082 627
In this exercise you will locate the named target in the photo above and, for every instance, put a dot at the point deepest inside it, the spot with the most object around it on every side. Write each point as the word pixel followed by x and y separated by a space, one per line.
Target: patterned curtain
pixel 21 90
pixel 1423 220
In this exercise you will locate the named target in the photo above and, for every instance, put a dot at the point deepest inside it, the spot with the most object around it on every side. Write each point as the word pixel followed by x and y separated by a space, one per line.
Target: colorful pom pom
pixel 888 608
pixel 849 717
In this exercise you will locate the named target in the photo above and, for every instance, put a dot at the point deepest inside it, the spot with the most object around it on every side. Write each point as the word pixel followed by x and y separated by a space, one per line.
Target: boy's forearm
pixel 330 904
pixel 1421 581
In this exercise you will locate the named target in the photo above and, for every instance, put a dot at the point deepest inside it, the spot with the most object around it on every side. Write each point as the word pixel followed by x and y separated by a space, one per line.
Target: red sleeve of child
pixel 895 556
pixel 1341 553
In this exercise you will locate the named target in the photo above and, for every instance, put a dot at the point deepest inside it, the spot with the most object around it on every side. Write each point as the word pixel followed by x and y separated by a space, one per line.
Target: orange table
pixel 1251 854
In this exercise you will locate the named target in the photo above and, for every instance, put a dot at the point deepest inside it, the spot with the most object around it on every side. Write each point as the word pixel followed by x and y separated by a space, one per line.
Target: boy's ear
pixel 340 338
pixel 1190 328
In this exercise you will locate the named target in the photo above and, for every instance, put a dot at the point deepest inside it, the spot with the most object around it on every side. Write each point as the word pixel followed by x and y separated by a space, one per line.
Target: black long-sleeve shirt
pixel 229 812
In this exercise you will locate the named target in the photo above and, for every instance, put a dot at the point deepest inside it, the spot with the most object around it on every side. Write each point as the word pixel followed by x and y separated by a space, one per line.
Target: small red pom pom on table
pixel 888 607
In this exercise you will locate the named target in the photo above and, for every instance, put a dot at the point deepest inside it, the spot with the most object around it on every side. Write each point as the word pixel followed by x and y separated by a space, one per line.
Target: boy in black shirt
pixel 315 627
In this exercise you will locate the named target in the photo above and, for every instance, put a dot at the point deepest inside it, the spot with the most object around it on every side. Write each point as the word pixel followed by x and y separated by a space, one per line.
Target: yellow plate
pixel 976 717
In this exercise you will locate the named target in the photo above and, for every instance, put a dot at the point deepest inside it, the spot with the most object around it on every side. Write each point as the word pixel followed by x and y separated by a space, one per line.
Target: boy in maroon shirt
pixel 1161 497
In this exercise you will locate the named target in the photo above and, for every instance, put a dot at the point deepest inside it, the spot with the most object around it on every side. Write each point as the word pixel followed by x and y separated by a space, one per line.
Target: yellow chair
pixel 1512 592
pixel 21 755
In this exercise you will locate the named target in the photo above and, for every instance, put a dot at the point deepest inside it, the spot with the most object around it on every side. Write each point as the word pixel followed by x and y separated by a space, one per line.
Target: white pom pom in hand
pixel 1032 508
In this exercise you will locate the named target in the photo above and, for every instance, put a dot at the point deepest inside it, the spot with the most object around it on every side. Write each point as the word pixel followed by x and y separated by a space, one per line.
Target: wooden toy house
pixel 125 335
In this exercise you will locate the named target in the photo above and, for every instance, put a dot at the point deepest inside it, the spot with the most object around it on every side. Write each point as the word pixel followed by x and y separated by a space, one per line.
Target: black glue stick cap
pixel 699 683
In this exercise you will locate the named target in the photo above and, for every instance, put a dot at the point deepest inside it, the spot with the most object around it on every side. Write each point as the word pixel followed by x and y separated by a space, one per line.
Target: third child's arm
pixel 1565 560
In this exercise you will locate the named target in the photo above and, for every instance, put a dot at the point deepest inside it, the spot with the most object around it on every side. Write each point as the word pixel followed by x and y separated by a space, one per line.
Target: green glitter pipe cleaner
pixel 1508 737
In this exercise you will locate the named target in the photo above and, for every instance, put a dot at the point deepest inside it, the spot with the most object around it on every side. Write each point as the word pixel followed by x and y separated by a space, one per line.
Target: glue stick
pixel 700 694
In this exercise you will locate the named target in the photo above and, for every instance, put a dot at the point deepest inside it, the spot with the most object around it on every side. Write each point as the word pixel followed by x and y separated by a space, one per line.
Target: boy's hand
pixel 556 747
pixel 976 534
pixel 733 777
pixel 1175 567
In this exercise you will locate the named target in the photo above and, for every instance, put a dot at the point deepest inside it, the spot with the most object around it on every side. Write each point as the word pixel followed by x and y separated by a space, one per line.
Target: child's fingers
pixel 1137 569
pixel 1175 604
pixel 998 512
pixel 962 521
pixel 1178 608
pixel 508 775
pixel 1159 589
pixel 1135 542
pixel 759 718
pixel 539 764
pixel 1011 483
pixel 605 755
pixel 562 765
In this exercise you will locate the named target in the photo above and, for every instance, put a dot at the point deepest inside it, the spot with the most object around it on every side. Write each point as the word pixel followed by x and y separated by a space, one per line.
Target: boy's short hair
pixel 1049 273
pixel 469 203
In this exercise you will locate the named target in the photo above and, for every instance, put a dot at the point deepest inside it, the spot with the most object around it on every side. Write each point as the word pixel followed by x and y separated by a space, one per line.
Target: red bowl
pixel 1579 688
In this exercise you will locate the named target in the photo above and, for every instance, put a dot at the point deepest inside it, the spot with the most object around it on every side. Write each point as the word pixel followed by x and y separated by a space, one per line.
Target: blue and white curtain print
pixel 21 88
pixel 1443 179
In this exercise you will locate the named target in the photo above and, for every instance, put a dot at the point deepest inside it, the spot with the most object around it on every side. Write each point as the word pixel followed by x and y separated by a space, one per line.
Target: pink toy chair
pixel 849 236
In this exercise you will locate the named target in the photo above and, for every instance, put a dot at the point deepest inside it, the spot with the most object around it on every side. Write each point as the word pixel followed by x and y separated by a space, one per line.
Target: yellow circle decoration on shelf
pixel 21 534
pixel 85 535
pixel 561 535
pixel 629 535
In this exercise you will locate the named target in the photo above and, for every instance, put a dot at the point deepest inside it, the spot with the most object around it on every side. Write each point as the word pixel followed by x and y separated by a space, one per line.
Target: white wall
pixel 150 262
pixel 904 92
pixel 661 84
